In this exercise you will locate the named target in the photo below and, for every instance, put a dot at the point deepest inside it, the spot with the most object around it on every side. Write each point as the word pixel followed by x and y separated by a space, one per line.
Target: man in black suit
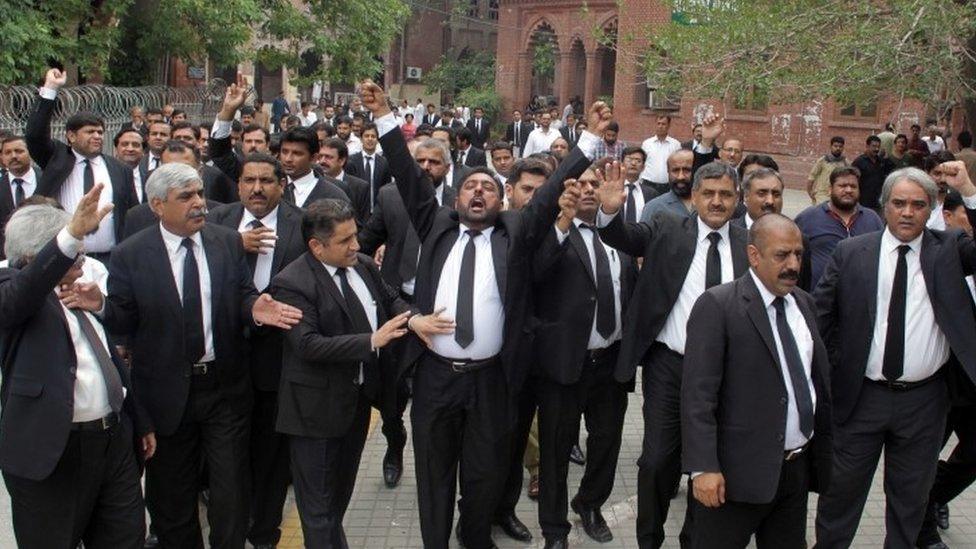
pixel 468 154
pixel 518 131
pixel 755 400
pixel 331 369
pixel 892 306
pixel 66 436
pixel 639 191
pixel 157 135
pixel 298 153
pixel 762 193
pixel 129 150
pixel 195 378
pixel 463 409
pixel 19 180
pixel 447 120
pixel 456 173
pixel 254 138
pixel 569 131
pixel 390 228
pixel 581 289
pixel 217 186
pixel 270 231
pixel 369 165
pixel 71 170
pixel 683 256
pixel 332 157
pixel 430 118
pixel 480 128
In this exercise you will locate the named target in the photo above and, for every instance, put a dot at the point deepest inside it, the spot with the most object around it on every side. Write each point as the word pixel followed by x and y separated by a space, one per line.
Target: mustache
pixel 790 274
pixel 196 213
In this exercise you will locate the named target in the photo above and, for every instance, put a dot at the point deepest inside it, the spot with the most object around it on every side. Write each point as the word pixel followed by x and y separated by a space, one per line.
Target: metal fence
pixel 200 103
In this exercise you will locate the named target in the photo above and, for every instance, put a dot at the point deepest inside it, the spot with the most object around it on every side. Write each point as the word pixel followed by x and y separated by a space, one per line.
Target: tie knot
pixel 341 272
pixel 188 244
pixel 714 237
pixel 18 181
pixel 587 226
pixel 255 224
pixel 903 250
pixel 369 157
pixel 780 305
pixel 473 233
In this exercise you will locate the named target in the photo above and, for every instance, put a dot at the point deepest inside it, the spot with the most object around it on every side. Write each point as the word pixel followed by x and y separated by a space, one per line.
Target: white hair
pixel 170 176
pixel 30 229
pixel 917 177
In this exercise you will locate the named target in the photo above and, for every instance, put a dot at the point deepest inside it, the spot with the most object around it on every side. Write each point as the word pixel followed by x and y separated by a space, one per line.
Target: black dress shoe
pixel 576 455
pixel 942 515
pixel 457 534
pixel 593 522
pixel 514 528
pixel 392 468
pixel 560 543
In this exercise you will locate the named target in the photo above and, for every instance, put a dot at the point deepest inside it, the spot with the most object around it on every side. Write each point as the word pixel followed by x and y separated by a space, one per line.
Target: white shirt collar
pixel 890 243
pixel 704 230
pixel 659 140
pixel 341 176
pixel 79 159
pixel 307 179
pixel 173 241
pixel 28 178
pixel 766 295
pixel 486 232
pixel 748 220
pixel 332 268
pixel 270 220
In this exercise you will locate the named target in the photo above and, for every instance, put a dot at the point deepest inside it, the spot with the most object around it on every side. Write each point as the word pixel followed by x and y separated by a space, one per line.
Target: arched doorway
pixel 543 55
pixel 607 59
pixel 576 83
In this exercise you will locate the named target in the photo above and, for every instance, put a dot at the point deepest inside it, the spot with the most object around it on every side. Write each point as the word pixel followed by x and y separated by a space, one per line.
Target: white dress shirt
pixel 804 344
pixel 362 293
pixel 137 183
pixel 308 119
pixel 926 347
pixel 177 256
pixel 354 144
pixel 596 340
pixel 29 184
pixel 539 140
pixel 90 392
pixel 303 187
pixel 408 286
pixel 936 219
pixel 488 312
pixel 72 192
pixel 658 151
pixel 262 267
pixel 638 198
pixel 675 331
pixel 748 220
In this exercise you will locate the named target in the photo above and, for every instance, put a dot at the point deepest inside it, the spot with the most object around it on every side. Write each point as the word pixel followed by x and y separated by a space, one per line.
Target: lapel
pixel 233 221
pixel 442 248
pixel 686 247
pixel 740 257
pixel 323 279
pixel 6 196
pixel 760 319
pixel 576 240
pixel 927 259
pixel 868 272
pixel 158 260
pixel 499 253
pixel 214 250
pixel 374 292
pixel 286 232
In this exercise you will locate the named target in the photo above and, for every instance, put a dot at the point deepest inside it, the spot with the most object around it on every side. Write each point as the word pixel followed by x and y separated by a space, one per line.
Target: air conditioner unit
pixel 414 73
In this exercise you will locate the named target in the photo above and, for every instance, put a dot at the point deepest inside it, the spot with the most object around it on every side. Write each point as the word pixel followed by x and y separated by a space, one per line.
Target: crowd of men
pixel 218 309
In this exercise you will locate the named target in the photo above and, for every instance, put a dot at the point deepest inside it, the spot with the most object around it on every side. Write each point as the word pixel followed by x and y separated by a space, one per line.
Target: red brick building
pixel 793 134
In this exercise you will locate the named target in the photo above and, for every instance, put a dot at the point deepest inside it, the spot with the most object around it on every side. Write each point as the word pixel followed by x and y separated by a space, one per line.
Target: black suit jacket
pixel 459 174
pixel 525 128
pixel 266 344
pixel 515 237
pixel 667 245
pixel 733 393
pixel 381 171
pixel 39 365
pixel 322 354
pixel 57 160
pixel 390 225
pixel 805 268
pixel 479 139
pixel 326 188
pixel 475 158
pixel 564 131
pixel 7 203
pixel 144 173
pixel 847 304
pixel 357 192
pixel 143 304
pixel 702 159
pixel 141 216
pixel 225 159
pixel 565 294
pixel 431 119
pixel 217 186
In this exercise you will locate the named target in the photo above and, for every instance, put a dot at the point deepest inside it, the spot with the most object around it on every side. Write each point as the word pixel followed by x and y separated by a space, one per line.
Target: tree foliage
pixel 349 34
pixel 798 50
pixel 455 72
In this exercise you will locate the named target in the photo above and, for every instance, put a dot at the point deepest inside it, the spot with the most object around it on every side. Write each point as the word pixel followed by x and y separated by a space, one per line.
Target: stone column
pixel 523 83
pixel 567 73
pixel 593 68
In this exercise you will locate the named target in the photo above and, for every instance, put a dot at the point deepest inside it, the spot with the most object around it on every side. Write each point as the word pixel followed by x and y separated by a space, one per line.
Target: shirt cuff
pixel 604 219
pixel 221 129
pixel 702 150
pixel 69 245
pixel 969 202
pixel 696 474
pixel 48 93
pixel 560 236
pixel 588 143
pixel 385 124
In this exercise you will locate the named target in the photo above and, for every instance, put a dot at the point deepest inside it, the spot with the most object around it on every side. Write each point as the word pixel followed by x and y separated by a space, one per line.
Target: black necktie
pixel 408 259
pixel 194 346
pixel 290 193
pixel 360 322
pixel 518 134
pixel 798 375
pixel 606 306
pixel 252 259
pixel 89 181
pixel 893 364
pixel 713 262
pixel 19 196
pixel 630 215
pixel 461 158
pixel 113 383
pixel 369 170
pixel 464 317
pixel 572 137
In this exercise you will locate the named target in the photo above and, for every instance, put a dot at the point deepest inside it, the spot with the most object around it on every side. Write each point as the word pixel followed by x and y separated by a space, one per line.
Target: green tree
pixel 456 72
pixel 798 50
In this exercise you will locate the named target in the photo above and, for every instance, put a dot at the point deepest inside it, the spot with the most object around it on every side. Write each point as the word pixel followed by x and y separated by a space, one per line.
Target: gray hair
pixel 715 170
pixel 437 144
pixel 30 229
pixel 917 177
pixel 170 176
pixel 761 173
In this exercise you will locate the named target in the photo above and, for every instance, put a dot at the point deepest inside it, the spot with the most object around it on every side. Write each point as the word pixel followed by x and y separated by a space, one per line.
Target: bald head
pixel 680 165
pixel 771 225
pixel 776 252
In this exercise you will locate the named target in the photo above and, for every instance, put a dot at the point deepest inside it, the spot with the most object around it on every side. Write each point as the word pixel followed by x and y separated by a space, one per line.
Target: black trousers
pixel 393 428
pixel 512 469
pixel 908 426
pixel 955 474
pixel 324 475
pixel 270 472
pixel 459 419
pixel 92 496
pixel 219 438
pixel 779 524
pixel 659 466
pixel 604 402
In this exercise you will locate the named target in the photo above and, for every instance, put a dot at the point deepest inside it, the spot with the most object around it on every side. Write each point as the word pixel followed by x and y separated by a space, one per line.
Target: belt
pixel 463 365
pixel 98 425
pixel 902 385
pixel 794 454
pixel 202 368
pixel 598 355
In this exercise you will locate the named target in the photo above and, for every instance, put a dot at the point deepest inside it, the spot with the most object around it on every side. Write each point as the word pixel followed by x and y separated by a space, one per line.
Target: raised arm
pixel 630 238
pixel 38 130
pixel 221 151
pixel 957 177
